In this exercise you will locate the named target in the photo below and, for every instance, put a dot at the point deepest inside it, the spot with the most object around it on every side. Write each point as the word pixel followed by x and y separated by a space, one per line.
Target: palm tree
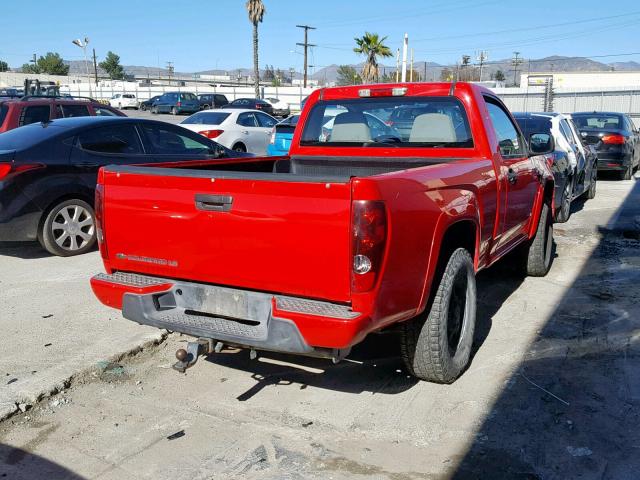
pixel 256 11
pixel 371 46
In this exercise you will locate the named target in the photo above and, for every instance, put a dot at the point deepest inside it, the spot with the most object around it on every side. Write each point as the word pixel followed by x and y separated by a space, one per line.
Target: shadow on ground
pixel 25 250
pixel 375 364
pixel 572 410
pixel 19 464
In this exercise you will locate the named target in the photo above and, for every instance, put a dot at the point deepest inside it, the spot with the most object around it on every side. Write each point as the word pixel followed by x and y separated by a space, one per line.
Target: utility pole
pixel 306 45
pixel 405 46
pixel 95 67
pixel 425 71
pixel 411 70
pixel 482 57
pixel 516 61
pixel 169 70
pixel 397 65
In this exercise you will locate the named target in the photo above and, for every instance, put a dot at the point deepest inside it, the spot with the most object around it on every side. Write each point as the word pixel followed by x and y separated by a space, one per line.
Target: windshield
pixel 597 121
pixel 206 118
pixel 401 121
pixel 530 125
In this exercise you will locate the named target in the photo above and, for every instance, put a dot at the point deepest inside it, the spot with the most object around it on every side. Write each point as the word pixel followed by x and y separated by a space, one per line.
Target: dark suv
pixel 212 100
pixel 176 103
pixel 16 113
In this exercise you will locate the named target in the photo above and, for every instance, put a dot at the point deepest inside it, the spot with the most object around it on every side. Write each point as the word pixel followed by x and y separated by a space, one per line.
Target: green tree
pixel 347 75
pixel 112 66
pixel 4 66
pixel 52 64
pixel 30 68
pixel 499 76
pixel 371 46
pixel 256 11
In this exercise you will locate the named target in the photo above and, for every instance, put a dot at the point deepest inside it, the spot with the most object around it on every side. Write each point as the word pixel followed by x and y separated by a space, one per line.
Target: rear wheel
pixel 68 229
pixel 539 250
pixel 565 207
pixel 239 147
pixel 143 107
pixel 206 107
pixel 591 192
pixel 174 111
pixel 626 173
pixel 436 347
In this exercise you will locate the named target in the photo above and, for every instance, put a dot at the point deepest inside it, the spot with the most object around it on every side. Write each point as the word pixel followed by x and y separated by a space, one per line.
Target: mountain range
pixel 329 73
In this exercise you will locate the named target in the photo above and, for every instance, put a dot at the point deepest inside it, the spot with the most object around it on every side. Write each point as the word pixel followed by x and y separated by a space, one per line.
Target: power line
pixel 306 46
pixel 516 62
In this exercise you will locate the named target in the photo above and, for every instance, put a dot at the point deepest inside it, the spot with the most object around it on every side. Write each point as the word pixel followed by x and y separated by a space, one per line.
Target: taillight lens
pixel 273 136
pixel 5 168
pixel 211 133
pixel 99 212
pixel 369 238
pixel 613 139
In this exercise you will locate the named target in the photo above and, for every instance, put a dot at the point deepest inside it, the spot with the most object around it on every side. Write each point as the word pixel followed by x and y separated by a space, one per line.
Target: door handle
pixel 246 132
pixel 213 203
pixel 512 176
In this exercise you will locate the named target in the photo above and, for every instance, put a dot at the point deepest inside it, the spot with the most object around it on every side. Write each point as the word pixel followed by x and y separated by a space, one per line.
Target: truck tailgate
pixel 269 234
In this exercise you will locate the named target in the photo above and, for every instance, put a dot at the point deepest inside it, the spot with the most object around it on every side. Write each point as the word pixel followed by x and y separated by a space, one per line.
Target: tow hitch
pixel 188 358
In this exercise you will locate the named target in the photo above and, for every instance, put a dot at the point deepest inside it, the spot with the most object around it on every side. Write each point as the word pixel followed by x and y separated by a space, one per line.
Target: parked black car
pixel 212 100
pixel 575 176
pixel 176 103
pixel 615 138
pixel 146 105
pixel 48 172
pixel 252 103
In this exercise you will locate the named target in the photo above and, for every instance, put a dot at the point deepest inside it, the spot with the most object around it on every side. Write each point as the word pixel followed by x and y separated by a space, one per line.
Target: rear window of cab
pixel 436 122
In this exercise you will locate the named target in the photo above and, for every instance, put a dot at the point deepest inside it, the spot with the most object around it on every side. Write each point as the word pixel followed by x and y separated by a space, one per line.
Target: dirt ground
pixel 553 391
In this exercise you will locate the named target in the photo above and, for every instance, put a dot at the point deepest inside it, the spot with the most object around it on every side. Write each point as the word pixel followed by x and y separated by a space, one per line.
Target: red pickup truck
pixel 391 199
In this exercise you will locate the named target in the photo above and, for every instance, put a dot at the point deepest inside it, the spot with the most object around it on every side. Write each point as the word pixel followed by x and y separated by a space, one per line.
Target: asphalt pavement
pixel 552 392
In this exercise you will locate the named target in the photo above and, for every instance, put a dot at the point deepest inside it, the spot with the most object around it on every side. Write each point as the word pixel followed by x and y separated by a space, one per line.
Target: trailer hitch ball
pixel 181 354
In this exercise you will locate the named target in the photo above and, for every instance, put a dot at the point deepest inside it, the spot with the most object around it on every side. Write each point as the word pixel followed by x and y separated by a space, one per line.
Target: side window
pixel 246 120
pixel 34 114
pixel 511 144
pixel 74 111
pixel 103 112
pixel 169 141
pixel 566 131
pixel 265 120
pixel 115 139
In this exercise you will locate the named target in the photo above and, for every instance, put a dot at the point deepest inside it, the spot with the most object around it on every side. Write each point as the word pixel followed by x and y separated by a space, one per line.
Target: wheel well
pixel 548 192
pixel 461 234
pixel 237 144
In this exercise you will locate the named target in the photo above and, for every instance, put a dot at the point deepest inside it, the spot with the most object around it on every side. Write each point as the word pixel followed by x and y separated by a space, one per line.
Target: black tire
pixel 239 147
pixel 80 235
pixel 436 346
pixel 626 173
pixel 206 107
pixel 154 110
pixel 143 107
pixel 119 106
pixel 565 206
pixel 174 111
pixel 591 192
pixel 540 249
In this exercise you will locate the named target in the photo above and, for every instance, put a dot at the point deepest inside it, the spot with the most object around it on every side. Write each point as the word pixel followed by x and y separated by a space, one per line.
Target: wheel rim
pixel 457 312
pixel 239 149
pixel 72 228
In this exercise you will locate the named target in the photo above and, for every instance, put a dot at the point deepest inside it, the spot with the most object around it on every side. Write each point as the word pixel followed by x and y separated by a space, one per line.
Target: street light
pixel 83 46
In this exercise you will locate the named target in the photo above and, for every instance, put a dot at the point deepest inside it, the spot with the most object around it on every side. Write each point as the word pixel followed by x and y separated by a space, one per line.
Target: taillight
pixel 5 168
pixel 179 104
pixel 369 237
pixel 211 133
pixel 99 213
pixel 613 139
pixel 273 136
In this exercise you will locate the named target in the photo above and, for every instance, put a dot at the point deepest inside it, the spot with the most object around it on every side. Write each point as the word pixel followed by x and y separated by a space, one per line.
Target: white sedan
pixel 123 100
pixel 237 129
pixel 280 108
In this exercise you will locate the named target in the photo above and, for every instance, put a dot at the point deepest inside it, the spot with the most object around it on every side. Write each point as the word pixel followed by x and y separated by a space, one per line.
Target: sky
pixel 200 35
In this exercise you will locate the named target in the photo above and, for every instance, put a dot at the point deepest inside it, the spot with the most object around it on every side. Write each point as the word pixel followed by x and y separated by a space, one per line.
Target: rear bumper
pixel 237 317
pixel 613 161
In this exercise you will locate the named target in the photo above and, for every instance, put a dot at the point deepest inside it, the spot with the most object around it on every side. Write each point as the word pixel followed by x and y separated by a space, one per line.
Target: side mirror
pixel 541 143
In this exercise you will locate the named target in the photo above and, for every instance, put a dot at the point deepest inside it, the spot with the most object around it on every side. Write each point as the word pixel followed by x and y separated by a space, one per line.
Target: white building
pixel 583 80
